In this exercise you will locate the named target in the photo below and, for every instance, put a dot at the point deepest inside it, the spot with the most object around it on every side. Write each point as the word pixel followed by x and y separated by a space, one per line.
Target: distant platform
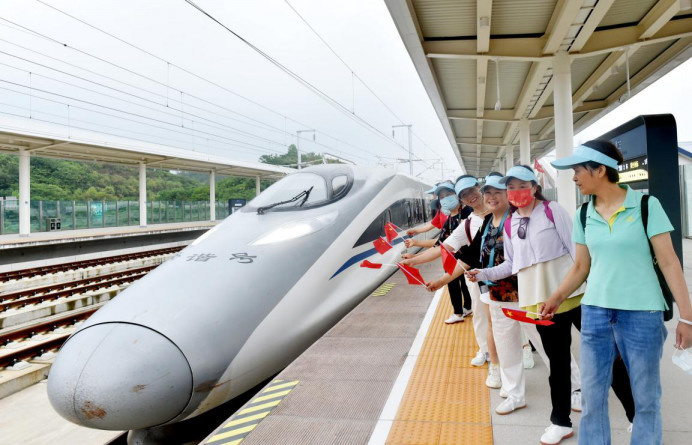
pixel 69 236
pixel 43 248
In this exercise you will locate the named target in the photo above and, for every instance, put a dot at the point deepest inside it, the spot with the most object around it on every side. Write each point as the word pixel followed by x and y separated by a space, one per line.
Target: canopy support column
pixel 212 195
pixel 564 128
pixel 257 185
pixel 142 194
pixel 510 157
pixel 24 193
pixel 524 142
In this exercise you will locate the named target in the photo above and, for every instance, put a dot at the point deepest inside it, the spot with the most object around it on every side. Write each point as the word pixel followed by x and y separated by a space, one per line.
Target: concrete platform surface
pixel 62 236
pixel 26 418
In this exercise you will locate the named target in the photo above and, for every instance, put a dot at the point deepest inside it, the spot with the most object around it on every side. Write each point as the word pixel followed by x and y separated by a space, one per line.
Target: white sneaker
pixel 466 312
pixel 554 434
pixel 528 358
pixel 454 318
pixel 509 405
pixel 479 359
pixel 503 393
pixel 576 401
pixel 493 380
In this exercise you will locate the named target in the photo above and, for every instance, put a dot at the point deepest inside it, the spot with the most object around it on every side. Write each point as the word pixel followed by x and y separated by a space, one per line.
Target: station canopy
pixel 462 47
pixel 124 151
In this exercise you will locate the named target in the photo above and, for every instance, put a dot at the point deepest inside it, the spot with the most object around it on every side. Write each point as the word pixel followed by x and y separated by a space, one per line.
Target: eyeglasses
pixel 523 224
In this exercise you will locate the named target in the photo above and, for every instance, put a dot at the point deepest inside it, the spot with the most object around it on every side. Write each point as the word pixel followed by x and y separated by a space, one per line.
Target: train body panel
pixel 238 304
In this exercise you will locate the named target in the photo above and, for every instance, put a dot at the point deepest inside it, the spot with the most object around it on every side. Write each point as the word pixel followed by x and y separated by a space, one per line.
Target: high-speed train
pixel 238 304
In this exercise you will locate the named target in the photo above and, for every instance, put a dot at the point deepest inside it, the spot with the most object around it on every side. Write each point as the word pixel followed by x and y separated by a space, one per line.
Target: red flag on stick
pixel 519 315
pixel 537 166
pixel 439 220
pixel 449 262
pixel 390 231
pixel 370 265
pixel 412 274
pixel 381 246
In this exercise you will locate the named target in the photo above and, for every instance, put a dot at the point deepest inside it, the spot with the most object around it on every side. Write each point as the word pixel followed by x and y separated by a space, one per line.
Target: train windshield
pixel 310 189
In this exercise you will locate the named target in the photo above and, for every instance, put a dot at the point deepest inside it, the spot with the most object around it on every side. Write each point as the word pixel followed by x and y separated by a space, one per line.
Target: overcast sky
pixel 145 94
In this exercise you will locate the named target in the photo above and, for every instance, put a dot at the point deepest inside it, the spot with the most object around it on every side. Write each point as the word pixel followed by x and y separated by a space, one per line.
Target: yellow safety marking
pixel 235 430
pixel 232 433
pixel 285 385
pixel 446 400
pixel 271 396
pixel 259 407
pixel 383 289
pixel 246 419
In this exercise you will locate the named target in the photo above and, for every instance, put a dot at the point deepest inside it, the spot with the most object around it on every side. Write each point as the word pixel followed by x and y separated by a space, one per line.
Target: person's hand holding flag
pixel 550 306
pixel 522 316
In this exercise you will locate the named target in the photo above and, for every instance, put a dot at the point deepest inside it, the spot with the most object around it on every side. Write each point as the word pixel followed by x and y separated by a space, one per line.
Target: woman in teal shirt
pixel 622 309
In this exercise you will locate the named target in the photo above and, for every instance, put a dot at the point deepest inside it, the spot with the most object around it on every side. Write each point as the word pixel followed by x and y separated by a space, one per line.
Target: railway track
pixel 43 294
pixel 33 340
pixel 63 267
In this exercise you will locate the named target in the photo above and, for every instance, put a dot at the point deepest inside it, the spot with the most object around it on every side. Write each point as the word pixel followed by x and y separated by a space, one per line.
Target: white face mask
pixel 683 359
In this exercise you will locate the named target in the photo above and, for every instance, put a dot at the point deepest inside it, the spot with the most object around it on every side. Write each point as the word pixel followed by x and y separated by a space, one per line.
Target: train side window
pixel 339 184
pixel 373 231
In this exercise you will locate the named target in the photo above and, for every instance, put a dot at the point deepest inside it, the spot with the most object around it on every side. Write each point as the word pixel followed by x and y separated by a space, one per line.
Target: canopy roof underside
pixel 458 47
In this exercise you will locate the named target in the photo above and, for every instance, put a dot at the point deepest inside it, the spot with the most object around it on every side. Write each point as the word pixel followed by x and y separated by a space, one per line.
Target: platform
pixel 391 372
pixel 45 248
pixel 65 236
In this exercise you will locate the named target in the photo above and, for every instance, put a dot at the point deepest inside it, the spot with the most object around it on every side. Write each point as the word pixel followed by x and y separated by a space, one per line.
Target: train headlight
pixel 297 229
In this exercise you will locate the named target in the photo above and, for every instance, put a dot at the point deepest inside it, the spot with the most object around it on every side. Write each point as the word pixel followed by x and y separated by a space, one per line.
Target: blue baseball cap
pixel 494 182
pixel 465 183
pixel 439 186
pixel 519 172
pixel 584 154
pixel 444 185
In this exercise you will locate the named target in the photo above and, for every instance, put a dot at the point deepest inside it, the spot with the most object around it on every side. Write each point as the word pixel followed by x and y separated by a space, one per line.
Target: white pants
pixel 480 316
pixel 510 337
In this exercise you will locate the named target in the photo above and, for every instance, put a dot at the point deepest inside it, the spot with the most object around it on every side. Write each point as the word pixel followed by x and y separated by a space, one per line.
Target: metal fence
pixel 91 214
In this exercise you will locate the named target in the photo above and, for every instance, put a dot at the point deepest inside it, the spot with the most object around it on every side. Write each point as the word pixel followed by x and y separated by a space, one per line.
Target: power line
pixel 336 104
pixel 264 125
pixel 181 69
pixel 355 74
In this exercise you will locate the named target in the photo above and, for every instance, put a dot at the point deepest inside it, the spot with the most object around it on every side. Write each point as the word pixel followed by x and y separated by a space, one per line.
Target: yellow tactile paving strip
pixel 446 400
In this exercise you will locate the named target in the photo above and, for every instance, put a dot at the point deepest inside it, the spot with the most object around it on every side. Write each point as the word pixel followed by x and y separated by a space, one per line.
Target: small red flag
pixel 519 315
pixel 439 220
pixel 449 262
pixel 370 265
pixel 390 231
pixel 412 274
pixel 538 167
pixel 381 246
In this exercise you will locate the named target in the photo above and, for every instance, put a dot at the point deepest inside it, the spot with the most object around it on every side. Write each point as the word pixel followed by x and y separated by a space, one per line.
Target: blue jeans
pixel 638 336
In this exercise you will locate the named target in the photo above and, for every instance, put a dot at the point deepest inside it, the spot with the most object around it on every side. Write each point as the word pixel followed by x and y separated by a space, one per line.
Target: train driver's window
pixel 339 184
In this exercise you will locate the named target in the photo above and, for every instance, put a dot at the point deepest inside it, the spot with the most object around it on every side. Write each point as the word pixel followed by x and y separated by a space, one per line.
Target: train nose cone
pixel 118 376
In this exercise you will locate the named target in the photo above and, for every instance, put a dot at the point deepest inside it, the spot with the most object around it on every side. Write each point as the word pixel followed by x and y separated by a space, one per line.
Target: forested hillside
pixel 53 179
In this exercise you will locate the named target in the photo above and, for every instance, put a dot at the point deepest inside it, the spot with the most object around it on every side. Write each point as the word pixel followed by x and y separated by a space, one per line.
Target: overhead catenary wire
pixel 186 114
pixel 336 104
pixel 187 71
pixel 264 126
pixel 354 74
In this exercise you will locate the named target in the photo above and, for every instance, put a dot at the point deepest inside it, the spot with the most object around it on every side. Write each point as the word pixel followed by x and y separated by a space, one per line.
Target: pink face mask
pixel 520 198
